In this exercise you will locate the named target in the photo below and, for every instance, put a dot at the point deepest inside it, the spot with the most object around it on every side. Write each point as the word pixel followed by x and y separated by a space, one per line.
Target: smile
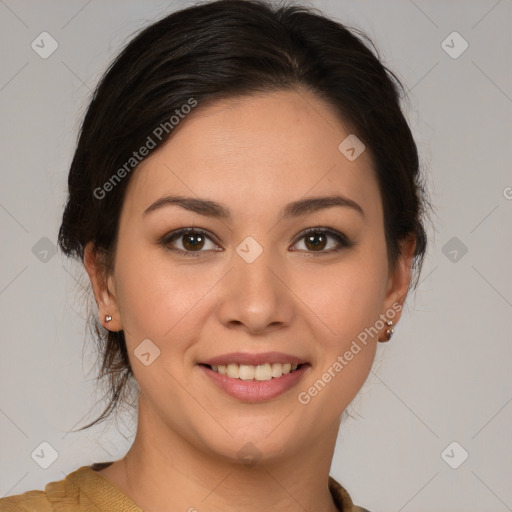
pixel 255 383
pixel 261 372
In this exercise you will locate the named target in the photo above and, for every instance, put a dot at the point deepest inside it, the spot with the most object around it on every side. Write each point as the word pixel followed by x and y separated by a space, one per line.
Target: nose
pixel 254 296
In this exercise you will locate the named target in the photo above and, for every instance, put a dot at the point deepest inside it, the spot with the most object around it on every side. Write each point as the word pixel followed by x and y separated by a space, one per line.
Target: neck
pixel 164 471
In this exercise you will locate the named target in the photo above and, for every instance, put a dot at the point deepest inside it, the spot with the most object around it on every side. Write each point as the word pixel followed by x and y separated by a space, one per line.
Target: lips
pixel 245 376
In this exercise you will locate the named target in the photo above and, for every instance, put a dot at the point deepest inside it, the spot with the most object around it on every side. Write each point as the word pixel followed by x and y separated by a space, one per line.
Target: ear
pixel 400 278
pixel 104 288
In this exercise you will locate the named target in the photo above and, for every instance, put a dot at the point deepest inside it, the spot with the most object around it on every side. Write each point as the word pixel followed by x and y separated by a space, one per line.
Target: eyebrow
pixel 216 210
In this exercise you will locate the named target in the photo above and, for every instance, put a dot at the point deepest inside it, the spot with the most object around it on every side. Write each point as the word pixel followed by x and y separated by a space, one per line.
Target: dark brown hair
pixel 220 50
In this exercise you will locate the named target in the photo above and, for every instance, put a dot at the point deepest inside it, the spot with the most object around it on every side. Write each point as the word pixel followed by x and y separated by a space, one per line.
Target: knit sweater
pixel 85 490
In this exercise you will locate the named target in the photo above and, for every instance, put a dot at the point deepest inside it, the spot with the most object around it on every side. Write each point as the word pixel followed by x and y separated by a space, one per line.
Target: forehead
pixel 266 149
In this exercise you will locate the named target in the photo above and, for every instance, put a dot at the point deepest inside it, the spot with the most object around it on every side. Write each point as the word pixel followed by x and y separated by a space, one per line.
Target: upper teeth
pixel 248 372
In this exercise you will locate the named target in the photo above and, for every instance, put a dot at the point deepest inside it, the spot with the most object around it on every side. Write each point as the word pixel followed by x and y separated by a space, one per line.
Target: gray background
pixel 444 377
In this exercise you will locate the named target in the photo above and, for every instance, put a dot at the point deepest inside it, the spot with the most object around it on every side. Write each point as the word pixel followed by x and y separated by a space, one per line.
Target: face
pixel 255 280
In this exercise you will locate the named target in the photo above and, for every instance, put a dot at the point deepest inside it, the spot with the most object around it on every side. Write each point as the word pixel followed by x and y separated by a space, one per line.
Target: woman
pixel 245 197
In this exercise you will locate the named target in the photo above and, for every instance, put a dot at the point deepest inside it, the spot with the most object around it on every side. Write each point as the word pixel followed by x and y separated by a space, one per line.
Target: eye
pixel 316 240
pixel 192 241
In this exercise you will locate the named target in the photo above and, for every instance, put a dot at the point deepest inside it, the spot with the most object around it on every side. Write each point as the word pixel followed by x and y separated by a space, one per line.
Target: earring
pixel 108 318
pixel 389 331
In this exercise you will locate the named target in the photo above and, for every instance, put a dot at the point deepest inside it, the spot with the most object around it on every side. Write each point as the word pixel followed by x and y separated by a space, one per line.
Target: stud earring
pixel 389 331
pixel 108 318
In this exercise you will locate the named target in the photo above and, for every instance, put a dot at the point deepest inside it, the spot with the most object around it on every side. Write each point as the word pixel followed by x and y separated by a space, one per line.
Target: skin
pixel 271 149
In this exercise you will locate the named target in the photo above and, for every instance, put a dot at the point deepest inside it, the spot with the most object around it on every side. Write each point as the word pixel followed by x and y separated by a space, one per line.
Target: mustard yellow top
pixel 85 490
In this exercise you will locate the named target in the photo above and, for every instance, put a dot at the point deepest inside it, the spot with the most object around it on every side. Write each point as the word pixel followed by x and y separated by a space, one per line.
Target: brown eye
pixel 193 241
pixel 188 241
pixel 316 240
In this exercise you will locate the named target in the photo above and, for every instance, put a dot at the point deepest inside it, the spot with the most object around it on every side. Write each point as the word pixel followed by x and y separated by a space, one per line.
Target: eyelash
pixel 167 239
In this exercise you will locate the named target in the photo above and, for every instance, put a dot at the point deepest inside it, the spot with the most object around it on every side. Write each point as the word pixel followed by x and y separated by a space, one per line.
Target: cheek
pixel 346 297
pixel 160 300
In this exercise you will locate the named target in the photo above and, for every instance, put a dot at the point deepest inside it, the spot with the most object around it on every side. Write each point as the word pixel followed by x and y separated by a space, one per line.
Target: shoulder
pixel 29 501
pixel 59 496
pixel 82 490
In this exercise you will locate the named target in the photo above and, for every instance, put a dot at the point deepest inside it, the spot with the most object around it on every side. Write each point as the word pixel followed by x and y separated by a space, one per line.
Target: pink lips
pixel 253 390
